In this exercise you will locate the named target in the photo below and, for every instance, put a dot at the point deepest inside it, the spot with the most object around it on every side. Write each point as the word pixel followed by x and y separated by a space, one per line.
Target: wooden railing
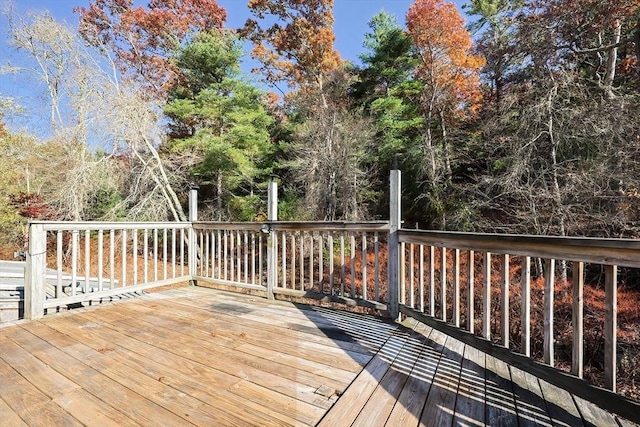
pixel 75 262
pixel 469 282
pixel 336 259
pixel 233 254
pixel 427 286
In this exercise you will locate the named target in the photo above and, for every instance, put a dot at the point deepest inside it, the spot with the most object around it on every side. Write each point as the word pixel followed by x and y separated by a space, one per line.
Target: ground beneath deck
pixel 195 356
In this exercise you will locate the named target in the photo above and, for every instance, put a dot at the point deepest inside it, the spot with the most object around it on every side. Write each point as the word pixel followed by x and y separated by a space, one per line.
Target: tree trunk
pixel 556 185
pixel 219 195
pixel 445 148
pixel 612 58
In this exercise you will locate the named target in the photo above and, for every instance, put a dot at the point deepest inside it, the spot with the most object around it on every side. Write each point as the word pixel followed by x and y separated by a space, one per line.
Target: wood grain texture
pixel 196 356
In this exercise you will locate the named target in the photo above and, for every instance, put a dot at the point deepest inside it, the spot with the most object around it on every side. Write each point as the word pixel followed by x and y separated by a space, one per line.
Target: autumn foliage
pixel 449 69
pixel 143 39
pixel 298 47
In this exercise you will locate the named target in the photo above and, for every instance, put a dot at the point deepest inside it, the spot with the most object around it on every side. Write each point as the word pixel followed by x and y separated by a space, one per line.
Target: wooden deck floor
pixel 194 356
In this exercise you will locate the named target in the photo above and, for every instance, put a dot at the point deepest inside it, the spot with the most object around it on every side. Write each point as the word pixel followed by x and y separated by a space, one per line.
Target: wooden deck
pixel 195 356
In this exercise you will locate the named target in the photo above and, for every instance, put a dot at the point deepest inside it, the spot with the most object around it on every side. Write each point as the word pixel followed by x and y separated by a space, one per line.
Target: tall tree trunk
pixel 429 149
pixel 219 195
pixel 556 185
pixel 163 179
pixel 445 147
pixel 612 58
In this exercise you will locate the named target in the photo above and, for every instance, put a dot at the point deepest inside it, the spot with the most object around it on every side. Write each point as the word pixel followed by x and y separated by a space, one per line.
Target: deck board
pixel 196 356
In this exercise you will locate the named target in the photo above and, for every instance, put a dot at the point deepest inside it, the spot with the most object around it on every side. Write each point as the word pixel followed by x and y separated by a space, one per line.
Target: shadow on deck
pixel 195 356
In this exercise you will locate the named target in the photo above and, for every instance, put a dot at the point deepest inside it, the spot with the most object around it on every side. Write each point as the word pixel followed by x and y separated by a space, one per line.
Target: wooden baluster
pixel 610 326
pixel 364 266
pixel 411 275
pixel 311 263
pixel 284 261
pixel 253 258
pixel 155 254
pixel 74 261
pixel 245 249
pixel 59 265
pixel 402 274
pixel 134 250
pixel 504 302
pixel 421 281
pixel 443 282
pixel 100 259
pixel 376 249
pixel 526 306
pixel 239 255
pixel 87 260
pixel 470 292
pixel 486 302
pixel 321 262
pixel 301 261
pixel 123 237
pixel 342 266
pixel 352 254
pixel 456 287
pixel 577 306
pixel 164 254
pixel 293 260
pixel 432 282
pixel 331 266
pixel 173 254
pixel 549 285
pixel 112 256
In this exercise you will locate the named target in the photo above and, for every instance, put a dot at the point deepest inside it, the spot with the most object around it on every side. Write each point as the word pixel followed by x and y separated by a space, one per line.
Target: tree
pixel 90 106
pixel 143 40
pixel 598 36
pixel 219 119
pixel 298 47
pixel 330 153
pixel 495 28
pixel 449 72
pixel 388 94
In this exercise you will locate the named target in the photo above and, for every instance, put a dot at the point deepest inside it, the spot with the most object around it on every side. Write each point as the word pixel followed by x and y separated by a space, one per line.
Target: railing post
pixel 35 271
pixel 272 255
pixel 193 250
pixel 393 257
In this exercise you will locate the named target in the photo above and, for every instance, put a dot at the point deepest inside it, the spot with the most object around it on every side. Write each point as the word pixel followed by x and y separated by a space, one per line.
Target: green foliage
pixel 220 119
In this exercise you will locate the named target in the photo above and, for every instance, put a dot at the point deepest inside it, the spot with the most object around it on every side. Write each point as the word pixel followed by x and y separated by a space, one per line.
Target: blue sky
pixel 351 24
pixel 351 17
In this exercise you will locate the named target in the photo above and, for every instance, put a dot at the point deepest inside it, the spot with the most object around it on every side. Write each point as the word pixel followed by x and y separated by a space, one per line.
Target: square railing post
pixel 394 254
pixel 272 239
pixel 193 250
pixel 35 271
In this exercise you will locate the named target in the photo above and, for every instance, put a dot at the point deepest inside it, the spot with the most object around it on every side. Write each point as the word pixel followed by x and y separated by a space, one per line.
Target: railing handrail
pixel 620 252
pixel 108 225
pixel 296 225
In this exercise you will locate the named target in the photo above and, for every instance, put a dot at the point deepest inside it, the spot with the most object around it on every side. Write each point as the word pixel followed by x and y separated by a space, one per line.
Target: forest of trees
pixel 525 121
